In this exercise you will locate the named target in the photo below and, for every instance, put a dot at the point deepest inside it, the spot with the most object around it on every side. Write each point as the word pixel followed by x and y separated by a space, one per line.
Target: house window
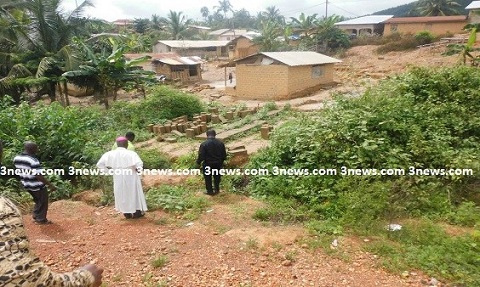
pixel 177 68
pixel 193 71
pixel 394 28
pixel 317 72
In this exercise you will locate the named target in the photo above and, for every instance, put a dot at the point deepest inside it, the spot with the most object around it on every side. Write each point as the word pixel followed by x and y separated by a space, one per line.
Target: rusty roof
pixel 432 19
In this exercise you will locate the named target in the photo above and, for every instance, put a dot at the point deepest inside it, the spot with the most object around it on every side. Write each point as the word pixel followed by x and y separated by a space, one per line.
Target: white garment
pixel 127 186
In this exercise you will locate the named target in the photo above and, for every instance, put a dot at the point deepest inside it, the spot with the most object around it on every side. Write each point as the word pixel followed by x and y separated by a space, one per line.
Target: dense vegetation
pixel 424 120
pixel 78 136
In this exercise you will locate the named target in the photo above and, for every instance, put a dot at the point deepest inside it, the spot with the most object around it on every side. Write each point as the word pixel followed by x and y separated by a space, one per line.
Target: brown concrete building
pixel 436 25
pixel 211 49
pixel 282 75
pixel 473 12
pixel 172 66
pixel 242 47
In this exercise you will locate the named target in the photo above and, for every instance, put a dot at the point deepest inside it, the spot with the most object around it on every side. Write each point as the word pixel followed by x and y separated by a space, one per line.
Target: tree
pixel 243 19
pixel 43 34
pixel 224 6
pixel 304 24
pixel 437 8
pixel 329 36
pixel 205 12
pixel 465 50
pixel 107 72
pixel 176 24
pixel 268 39
pixel 272 13
pixel 141 25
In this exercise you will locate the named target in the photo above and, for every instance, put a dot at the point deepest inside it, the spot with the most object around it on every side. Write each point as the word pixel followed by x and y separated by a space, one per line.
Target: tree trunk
pixel 65 89
pixel 51 91
pixel 61 95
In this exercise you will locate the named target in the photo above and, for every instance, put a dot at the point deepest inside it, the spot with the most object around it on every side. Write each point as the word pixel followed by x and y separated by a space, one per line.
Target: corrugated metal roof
pixel 473 5
pixel 185 44
pixel 298 58
pixel 225 32
pixel 427 19
pixel 366 20
pixel 168 58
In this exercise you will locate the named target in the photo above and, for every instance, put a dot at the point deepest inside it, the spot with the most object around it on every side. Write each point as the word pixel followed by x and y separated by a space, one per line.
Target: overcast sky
pixel 129 9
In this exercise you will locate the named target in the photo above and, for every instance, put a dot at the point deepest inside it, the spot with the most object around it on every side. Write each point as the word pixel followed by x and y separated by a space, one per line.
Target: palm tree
pixel 43 40
pixel 437 8
pixel 176 24
pixel 272 13
pixel 205 12
pixel 224 6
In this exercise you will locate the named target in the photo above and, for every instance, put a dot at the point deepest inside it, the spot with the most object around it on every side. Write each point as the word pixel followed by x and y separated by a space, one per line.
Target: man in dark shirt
pixel 31 176
pixel 212 153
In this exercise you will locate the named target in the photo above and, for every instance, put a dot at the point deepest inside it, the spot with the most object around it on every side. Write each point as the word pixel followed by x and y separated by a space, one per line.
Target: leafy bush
pixel 163 103
pixel 424 37
pixel 400 124
pixel 176 199
pixel 153 159
pixel 402 42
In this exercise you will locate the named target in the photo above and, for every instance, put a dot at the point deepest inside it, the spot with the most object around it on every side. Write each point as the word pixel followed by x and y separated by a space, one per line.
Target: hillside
pixel 405 10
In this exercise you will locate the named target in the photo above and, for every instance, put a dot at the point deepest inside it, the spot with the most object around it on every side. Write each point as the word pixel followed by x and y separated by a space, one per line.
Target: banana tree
pixel 106 73
pixel 466 50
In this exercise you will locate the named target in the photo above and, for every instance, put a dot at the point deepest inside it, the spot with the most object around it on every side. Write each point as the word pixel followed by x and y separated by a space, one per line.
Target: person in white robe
pixel 125 166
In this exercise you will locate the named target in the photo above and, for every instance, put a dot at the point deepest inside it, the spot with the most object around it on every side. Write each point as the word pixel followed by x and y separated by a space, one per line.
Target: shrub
pixel 153 159
pixel 424 37
pixel 162 103
pixel 400 124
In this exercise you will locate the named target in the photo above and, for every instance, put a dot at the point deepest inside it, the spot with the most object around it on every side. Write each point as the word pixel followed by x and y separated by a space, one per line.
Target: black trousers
pixel 209 171
pixel 41 204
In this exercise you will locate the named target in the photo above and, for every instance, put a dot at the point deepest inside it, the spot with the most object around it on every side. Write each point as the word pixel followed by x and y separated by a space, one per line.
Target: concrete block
pixel 190 133
pixel 203 127
pixel 265 132
pixel 197 129
pixel 171 140
pixel 229 116
pixel 213 110
pixel 150 128
pixel 168 128
pixel 209 118
pixel 177 133
pixel 162 130
pixel 215 119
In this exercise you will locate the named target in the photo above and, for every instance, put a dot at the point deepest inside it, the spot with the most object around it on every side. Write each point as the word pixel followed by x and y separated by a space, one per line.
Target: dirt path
pixel 224 247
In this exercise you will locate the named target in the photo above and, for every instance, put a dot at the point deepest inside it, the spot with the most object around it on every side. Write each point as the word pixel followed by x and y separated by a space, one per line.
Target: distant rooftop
pixel 427 19
pixel 366 20
pixel 297 58
pixel 238 32
pixel 193 44
pixel 473 5
pixel 172 59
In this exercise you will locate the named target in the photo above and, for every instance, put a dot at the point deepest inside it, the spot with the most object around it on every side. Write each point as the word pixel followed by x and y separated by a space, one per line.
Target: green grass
pixel 426 246
pixel 160 261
